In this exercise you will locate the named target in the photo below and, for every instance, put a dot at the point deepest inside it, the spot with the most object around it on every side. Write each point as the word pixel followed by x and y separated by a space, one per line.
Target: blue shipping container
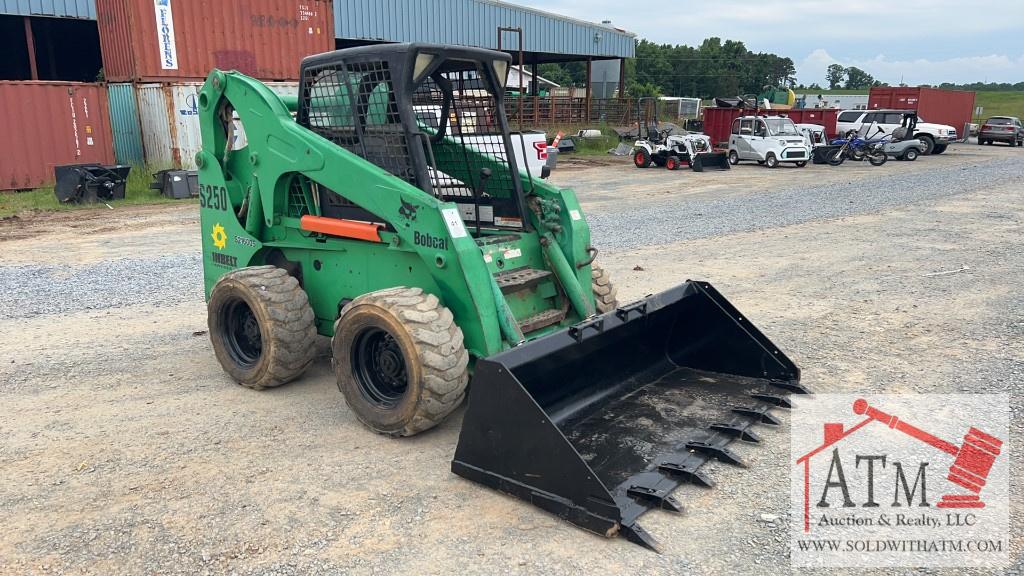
pixel 124 121
pixel 59 8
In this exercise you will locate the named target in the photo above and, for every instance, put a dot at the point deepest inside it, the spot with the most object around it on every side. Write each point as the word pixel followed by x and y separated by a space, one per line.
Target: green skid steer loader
pixel 385 208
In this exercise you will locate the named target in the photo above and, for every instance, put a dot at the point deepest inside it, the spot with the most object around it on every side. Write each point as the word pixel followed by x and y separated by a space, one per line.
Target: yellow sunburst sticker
pixel 220 237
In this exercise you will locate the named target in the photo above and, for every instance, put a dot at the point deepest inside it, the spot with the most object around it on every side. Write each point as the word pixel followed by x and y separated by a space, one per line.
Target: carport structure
pixel 531 36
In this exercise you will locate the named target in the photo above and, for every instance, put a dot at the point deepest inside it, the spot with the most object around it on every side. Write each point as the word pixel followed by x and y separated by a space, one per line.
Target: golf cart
pixel 903 146
pixel 662 148
pixel 769 140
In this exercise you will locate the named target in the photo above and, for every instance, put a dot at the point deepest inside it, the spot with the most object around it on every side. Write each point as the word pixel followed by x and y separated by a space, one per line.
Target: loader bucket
pixel 719 160
pixel 600 422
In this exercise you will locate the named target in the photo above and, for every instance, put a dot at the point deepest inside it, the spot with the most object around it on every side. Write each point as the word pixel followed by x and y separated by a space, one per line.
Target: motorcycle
pixel 856 147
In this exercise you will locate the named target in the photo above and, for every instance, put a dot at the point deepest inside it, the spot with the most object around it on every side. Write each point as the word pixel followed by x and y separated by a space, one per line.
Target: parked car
pixel 768 140
pixel 936 137
pixel 1002 129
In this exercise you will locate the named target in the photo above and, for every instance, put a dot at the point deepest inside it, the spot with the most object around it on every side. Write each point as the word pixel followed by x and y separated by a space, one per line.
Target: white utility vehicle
pixel 768 140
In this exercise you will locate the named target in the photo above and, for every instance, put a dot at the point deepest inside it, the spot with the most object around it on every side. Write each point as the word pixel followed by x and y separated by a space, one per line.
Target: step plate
pixel 519 279
pixel 538 321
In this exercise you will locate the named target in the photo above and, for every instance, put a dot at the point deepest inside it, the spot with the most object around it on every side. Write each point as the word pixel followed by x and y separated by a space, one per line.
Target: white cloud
pixel 927 41
pixel 991 68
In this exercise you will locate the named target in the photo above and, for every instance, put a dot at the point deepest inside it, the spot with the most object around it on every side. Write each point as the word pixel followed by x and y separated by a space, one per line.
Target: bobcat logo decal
pixel 408 211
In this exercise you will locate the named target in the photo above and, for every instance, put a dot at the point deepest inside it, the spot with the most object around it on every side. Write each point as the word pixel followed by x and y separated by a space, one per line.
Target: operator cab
pixel 430 115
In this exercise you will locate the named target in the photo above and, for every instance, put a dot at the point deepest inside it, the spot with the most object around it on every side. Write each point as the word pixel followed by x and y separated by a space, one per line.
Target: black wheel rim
pixel 379 367
pixel 242 334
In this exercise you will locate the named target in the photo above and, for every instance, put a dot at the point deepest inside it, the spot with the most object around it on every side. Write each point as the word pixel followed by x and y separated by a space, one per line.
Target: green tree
pixel 556 73
pixel 835 75
pixel 857 79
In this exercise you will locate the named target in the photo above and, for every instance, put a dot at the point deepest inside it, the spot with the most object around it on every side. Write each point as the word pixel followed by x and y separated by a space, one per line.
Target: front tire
pixel 604 291
pixel 939 148
pixel 801 164
pixel 929 143
pixel 261 326
pixel 672 163
pixel 910 155
pixel 771 161
pixel 399 360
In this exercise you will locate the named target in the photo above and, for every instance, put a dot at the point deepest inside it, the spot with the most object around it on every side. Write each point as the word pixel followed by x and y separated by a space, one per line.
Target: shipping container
pixel 50 123
pixel 718 121
pixel 951 107
pixel 174 40
pixel 169 118
pixel 124 121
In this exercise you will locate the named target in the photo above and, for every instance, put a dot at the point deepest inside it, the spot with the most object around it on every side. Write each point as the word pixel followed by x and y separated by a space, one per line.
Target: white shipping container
pixel 169 118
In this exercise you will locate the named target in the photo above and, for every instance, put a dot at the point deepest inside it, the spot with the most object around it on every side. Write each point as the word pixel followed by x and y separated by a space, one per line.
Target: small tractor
pixel 429 258
pixel 662 148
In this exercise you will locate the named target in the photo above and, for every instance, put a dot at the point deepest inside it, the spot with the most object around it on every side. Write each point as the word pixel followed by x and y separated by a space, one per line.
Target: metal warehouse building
pixel 117 46
pixel 57 39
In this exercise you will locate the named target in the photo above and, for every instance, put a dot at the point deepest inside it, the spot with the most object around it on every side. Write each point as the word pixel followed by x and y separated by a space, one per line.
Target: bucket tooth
pixel 637 535
pixel 776 400
pixel 759 415
pixel 742 432
pixel 686 471
pixel 716 451
pixel 660 496
pixel 793 386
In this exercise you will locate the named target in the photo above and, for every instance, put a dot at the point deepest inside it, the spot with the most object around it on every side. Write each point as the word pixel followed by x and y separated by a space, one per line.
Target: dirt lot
pixel 126 450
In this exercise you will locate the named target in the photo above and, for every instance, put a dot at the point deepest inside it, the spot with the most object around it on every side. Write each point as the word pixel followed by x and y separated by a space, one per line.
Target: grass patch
pixel 1000 104
pixel 137 192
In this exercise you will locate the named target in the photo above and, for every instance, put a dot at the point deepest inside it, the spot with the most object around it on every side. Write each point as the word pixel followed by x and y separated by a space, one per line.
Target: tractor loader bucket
pixel 719 160
pixel 600 422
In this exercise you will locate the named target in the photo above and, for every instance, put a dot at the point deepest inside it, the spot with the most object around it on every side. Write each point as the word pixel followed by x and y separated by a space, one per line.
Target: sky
pixel 916 41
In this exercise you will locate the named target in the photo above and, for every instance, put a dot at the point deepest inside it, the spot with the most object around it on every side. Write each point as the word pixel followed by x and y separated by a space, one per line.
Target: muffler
pixel 600 422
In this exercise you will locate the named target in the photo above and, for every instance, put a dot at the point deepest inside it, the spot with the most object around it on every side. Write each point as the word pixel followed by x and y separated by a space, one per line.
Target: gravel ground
pixel 654 222
pixel 125 450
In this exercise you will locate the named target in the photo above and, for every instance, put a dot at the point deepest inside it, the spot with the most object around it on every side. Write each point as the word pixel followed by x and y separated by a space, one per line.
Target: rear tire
pixel 399 360
pixel 261 326
pixel 641 158
pixel 734 158
pixel 604 291
pixel 771 161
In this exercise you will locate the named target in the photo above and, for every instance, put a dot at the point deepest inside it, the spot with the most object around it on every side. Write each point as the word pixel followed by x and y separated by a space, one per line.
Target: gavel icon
pixel 973 459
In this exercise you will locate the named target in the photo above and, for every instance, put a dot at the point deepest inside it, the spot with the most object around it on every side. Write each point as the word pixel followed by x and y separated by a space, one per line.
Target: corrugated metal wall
pixel 475 23
pixel 169 116
pixel 265 39
pixel 124 122
pixel 60 8
pixel 50 123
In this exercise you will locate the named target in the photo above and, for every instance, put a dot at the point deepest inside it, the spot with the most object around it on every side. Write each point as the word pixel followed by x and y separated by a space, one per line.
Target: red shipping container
pixel 951 107
pixel 176 40
pixel 50 123
pixel 718 121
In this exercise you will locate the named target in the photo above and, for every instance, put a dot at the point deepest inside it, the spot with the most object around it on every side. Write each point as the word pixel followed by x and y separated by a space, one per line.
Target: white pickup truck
pixel 936 137
pixel 531 144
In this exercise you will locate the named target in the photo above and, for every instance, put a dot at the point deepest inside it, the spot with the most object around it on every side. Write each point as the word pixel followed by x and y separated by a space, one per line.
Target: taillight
pixel 542 150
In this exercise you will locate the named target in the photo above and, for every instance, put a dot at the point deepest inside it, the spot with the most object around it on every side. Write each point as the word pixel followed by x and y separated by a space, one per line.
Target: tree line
pixel 725 69
pixel 714 68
